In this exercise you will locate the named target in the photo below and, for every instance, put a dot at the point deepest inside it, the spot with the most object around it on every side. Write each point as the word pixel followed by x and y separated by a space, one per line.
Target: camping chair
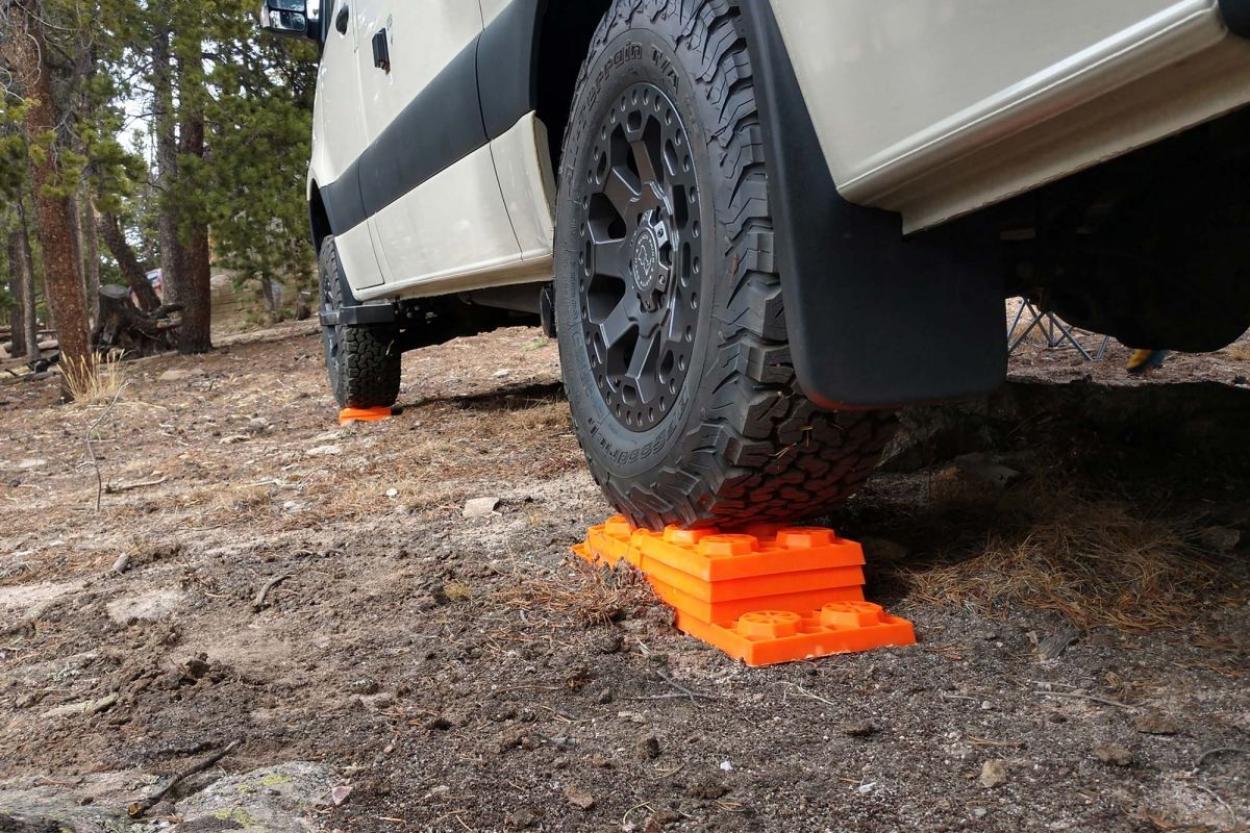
pixel 1057 332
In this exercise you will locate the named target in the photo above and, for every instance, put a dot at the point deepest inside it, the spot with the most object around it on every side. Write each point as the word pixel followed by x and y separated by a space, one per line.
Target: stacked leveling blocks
pixel 768 595
pixel 349 416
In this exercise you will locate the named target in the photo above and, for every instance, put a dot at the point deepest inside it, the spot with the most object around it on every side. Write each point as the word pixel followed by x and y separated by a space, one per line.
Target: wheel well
pixel 319 220
pixel 568 26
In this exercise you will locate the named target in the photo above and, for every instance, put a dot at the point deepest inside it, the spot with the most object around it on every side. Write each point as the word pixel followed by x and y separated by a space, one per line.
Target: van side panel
pixel 919 107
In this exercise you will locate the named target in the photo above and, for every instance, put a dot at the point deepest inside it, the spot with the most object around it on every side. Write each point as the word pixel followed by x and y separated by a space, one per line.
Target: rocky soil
pixel 210 564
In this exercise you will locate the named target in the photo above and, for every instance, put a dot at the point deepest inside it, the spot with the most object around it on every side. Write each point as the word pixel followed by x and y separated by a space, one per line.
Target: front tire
pixel 362 363
pixel 671 327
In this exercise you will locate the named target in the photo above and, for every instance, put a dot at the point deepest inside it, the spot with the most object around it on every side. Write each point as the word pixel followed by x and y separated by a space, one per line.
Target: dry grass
pixel 94 379
pixel 1098 562
pixel 1239 352
pixel 594 597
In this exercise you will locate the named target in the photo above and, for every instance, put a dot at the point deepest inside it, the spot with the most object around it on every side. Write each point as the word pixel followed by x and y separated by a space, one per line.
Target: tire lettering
pixel 665 66
pixel 619 58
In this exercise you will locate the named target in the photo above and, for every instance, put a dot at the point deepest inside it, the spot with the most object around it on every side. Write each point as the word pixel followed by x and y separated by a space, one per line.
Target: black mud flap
pixel 875 319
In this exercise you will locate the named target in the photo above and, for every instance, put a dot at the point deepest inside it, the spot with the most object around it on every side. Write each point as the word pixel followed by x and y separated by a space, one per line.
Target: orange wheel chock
pixel 349 415
pixel 765 595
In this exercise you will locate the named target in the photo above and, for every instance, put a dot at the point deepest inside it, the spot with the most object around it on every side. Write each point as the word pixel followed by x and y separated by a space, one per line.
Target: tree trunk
pixel 166 157
pixel 62 281
pixel 111 230
pixel 90 254
pixel 30 317
pixel 194 270
pixel 75 226
pixel 17 288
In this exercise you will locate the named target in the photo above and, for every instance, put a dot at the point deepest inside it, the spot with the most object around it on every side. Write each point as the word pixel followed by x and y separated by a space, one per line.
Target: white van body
pixel 931 109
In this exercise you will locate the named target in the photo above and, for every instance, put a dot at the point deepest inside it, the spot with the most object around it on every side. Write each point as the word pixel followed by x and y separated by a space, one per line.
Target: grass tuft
pixel 94 379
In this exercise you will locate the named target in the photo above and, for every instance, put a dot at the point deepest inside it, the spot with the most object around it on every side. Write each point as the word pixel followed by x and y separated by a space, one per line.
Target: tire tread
pixel 760 450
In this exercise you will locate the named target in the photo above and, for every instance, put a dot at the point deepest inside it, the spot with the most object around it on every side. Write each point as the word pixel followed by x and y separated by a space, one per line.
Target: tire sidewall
pixel 637 55
pixel 332 296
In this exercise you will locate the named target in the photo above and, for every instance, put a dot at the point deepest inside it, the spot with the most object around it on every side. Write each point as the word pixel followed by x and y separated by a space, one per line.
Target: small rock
pixel 436 794
pixel 859 729
pixel 979 467
pixel 605 697
pixel 726 766
pixel 31 463
pixel 501 374
pixel 578 797
pixel 83 707
pixel 994 773
pixel 196 668
pixel 480 507
pixel 364 685
pixel 283 797
pixel 1113 753
pixel 392 493
pixel 1222 539
pixel 648 748
pixel 179 375
pixel 521 819
pixel 324 451
pixel 340 794
pixel 1153 723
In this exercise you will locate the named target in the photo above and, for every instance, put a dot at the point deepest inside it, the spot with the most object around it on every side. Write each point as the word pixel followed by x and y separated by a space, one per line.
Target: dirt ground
pixel 242 570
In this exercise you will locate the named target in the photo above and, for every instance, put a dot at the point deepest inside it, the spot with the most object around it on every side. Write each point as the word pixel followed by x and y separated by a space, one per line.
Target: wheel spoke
pixel 609 259
pixel 614 328
pixel 620 191
pixel 642 367
pixel 646 164
pixel 680 316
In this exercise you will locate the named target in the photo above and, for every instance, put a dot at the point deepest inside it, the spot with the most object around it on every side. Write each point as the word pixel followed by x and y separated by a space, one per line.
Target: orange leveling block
pixel 771 594
pixel 349 415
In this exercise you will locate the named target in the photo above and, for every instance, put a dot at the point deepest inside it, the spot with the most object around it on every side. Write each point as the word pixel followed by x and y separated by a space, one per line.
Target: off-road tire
pixel 362 363
pixel 741 443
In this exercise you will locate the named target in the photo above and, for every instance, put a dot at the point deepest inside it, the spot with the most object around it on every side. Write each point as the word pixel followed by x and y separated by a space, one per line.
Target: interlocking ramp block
pixel 766 595
pixel 349 415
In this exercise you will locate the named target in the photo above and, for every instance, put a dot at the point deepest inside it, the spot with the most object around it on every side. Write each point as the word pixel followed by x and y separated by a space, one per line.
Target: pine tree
pixel 26 49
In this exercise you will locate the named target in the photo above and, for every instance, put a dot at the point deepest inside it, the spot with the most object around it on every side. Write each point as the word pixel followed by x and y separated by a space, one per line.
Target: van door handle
pixel 342 19
pixel 381 51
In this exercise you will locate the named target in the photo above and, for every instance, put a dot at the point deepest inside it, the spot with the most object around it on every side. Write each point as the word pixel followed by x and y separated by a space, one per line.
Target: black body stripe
pixel 478 96
pixel 507 64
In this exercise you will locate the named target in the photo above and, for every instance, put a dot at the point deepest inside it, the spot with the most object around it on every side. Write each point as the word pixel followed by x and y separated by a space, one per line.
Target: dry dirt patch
pixel 458 673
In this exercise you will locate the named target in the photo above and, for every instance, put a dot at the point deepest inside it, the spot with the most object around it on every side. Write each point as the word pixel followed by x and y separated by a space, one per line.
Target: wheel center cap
pixel 645 260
